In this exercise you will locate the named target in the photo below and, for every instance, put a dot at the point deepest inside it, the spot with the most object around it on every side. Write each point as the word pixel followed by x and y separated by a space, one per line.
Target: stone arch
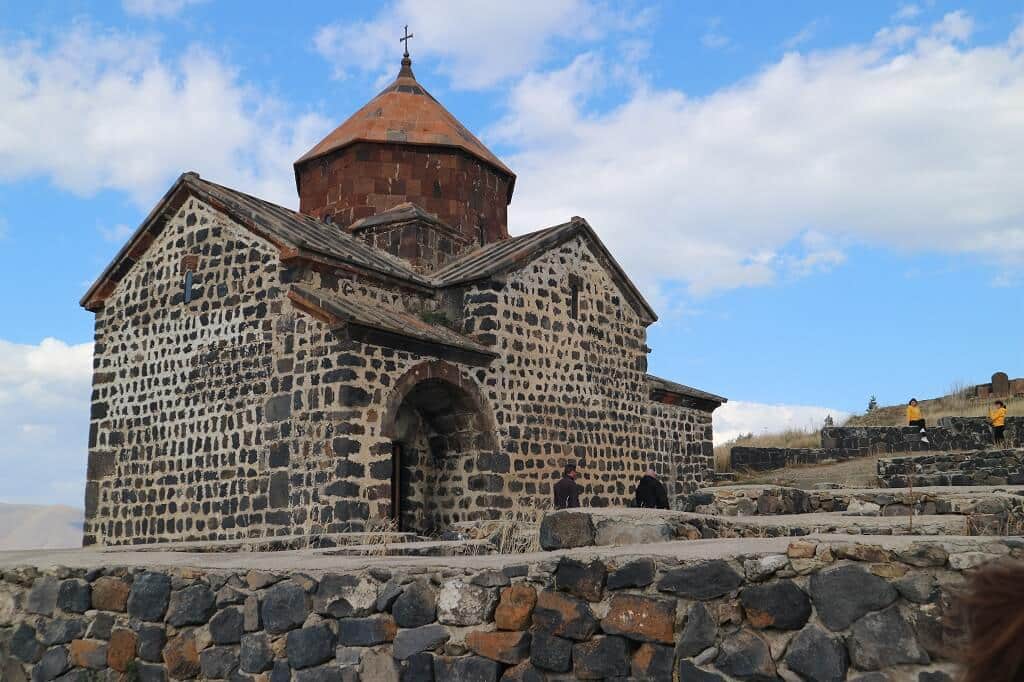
pixel 443 435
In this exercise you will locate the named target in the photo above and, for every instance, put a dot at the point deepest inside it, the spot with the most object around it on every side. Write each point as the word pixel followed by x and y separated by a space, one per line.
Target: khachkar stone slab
pixel 814 609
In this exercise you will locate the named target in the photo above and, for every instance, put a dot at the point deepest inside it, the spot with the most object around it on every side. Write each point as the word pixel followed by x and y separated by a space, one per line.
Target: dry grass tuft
pixel 379 533
pixel 790 438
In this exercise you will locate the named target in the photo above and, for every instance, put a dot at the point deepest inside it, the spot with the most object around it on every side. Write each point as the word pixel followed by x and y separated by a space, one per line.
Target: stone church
pixel 386 351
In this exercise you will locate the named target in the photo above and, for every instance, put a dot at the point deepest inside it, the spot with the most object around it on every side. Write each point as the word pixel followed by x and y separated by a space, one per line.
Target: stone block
pixel 698 633
pixel 745 655
pixel 584 580
pixel 884 639
pixel 42 598
pixel 75 596
pixel 466 669
pixel 410 642
pixel 640 618
pixel 565 616
pixel 310 646
pixel 181 658
pixel 461 603
pixel 515 607
pixel 816 655
pixel 780 605
pixel 284 608
pixel 566 529
pixel 416 606
pixel 110 594
pixel 217 662
pixel 652 662
pixel 122 648
pixel 505 647
pixel 639 573
pixel 600 658
pixel 369 631
pixel 703 581
pixel 88 653
pixel 844 594
pixel 149 596
pixel 191 606
pixel 549 652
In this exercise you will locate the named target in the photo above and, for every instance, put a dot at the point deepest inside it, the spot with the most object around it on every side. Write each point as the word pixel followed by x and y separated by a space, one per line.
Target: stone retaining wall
pixel 839 443
pixel 828 610
pixel 984 467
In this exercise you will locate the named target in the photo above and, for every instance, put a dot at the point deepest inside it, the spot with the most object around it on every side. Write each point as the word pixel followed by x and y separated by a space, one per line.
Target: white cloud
pixel 736 418
pixel 3 227
pixel 713 37
pixel 44 408
pixel 156 8
pixel 477 44
pixel 802 36
pixel 912 146
pixel 105 110
pixel 907 11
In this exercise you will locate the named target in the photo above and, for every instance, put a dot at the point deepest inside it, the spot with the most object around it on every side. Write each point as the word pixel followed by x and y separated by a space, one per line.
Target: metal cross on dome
pixel 405 39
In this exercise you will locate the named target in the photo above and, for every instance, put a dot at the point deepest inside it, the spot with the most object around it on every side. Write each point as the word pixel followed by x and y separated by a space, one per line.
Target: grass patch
pixel 790 438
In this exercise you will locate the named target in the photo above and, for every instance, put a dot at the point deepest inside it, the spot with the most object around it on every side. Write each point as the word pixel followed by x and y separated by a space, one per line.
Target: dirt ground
pixel 854 473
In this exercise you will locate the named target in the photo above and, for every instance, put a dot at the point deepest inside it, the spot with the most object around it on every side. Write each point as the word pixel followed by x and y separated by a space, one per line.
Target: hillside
pixel 30 526
pixel 934 409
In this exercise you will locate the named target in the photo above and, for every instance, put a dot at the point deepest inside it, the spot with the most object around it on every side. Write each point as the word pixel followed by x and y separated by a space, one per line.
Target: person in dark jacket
pixel 650 492
pixel 567 493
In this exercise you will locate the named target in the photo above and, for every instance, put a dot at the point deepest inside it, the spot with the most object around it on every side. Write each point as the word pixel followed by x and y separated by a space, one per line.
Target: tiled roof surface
pixel 386 319
pixel 659 384
pixel 405 112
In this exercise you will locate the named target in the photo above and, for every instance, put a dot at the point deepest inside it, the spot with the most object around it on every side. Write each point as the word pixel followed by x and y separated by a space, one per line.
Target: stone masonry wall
pixel 238 416
pixel 819 611
pixel 985 467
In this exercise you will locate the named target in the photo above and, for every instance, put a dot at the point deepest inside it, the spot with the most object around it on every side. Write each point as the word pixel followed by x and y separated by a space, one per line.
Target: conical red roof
pixel 404 112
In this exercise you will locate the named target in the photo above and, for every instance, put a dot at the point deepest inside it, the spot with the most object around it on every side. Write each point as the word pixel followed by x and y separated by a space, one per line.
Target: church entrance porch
pixel 440 426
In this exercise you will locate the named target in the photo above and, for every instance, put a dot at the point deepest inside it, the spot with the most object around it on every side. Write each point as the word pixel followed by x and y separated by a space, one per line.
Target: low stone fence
pixel 981 467
pixel 840 443
pixel 806 610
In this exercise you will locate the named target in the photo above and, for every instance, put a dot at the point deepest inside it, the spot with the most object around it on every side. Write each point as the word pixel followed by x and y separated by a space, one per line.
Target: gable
pixel 499 258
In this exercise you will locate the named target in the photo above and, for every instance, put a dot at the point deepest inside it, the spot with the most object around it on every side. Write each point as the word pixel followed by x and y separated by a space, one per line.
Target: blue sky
pixel 823 201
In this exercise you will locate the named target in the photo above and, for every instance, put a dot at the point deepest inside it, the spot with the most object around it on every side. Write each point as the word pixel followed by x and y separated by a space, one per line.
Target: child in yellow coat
pixel 997 418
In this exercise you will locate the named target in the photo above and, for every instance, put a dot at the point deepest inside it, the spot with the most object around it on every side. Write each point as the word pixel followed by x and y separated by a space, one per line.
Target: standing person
pixel 650 492
pixel 997 418
pixel 567 493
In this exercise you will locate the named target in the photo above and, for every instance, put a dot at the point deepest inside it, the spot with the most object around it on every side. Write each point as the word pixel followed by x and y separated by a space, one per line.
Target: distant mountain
pixel 32 526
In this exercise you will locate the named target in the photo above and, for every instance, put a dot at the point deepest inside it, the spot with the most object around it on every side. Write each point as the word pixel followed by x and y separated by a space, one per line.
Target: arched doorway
pixel 439 425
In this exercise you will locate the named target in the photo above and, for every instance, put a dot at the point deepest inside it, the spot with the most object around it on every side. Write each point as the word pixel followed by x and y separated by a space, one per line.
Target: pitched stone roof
pixel 295 235
pixel 404 112
pixel 509 254
pixel 665 391
pixel 388 323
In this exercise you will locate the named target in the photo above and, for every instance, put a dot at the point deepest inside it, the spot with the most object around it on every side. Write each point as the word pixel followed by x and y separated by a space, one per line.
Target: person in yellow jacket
pixel 997 418
pixel 914 416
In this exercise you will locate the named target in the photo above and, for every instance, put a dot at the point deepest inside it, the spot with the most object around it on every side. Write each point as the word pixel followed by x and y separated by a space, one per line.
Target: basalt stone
pixel 641 618
pixel 52 664
pixel 11 670
pixel 884 639
pixel 391 591
pixel 639 573
pixel 181 658
pixel 817 656
pixel 100 627
pixel 24 646
pixel 75 596
pixel 284 608
pixel 698 633
pixel 844 594
pixel 691 673
pixel 149 596
pixel 549 652
pixel 191 606
pixel 919 588
pixel 933 676
pixel 88 653
pixel 411 642
pixel 255 654
pixel 110 594
pixel 524 672
pixel 505 647
pixel 466 669
pixel 566 529
pixel 366 631
pixel 121 650
pixel 490 579
pixel 460 603
pixel 227 626
pixel 923 555
pixel 416 606
pixel 780 605
pixel 324 673
pixel 151 641
pixel 584 580
pixel 42 598
pixel 310 646
pixel 746 656
pixel 515 608
pixel 418 668
pixel 703 581
pixel 600 658
pixel 281 672
pixel 217 662
pixel 652 662
pixel 62 631
pixel 150 672
pixel 345 596
pixel 565 616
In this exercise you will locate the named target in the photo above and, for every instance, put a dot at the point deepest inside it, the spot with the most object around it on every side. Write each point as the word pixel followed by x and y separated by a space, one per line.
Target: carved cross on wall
pixel 405 39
